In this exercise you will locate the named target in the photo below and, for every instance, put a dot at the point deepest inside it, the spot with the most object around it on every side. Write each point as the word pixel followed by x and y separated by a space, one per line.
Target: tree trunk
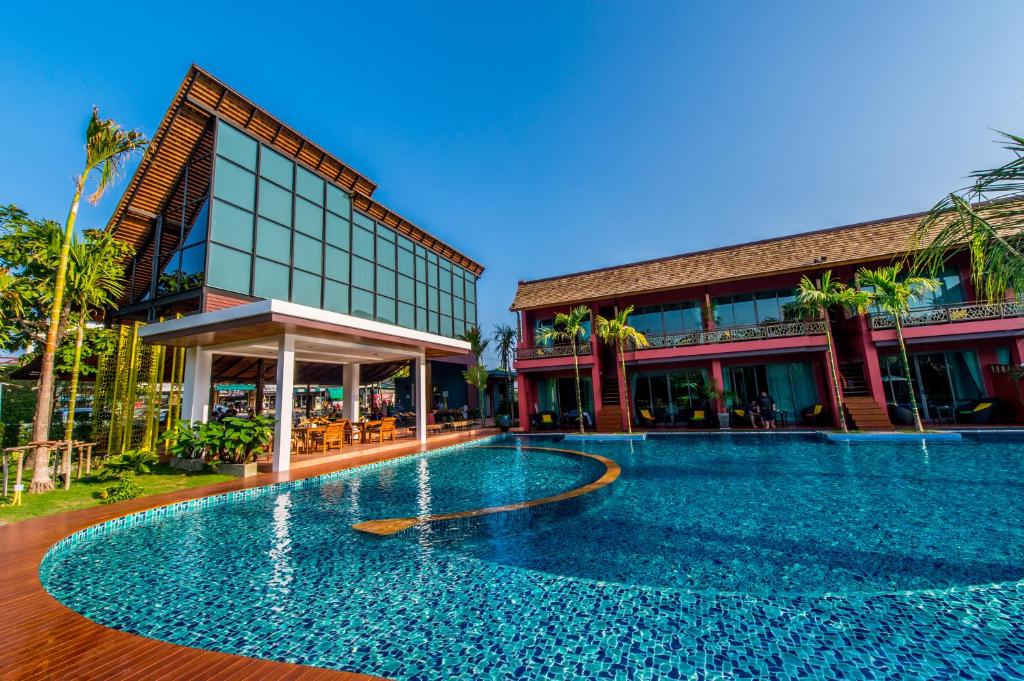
pixel 834 370
pixel 41 481
pixel 622 359
pixel 69 427
pixel 906 374
pixel 579 395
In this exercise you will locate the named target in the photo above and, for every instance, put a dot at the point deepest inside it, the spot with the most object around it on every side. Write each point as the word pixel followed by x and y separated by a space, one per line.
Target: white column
pixel 350 408
pixel 195 390
pixel 420 372
pixel 283 409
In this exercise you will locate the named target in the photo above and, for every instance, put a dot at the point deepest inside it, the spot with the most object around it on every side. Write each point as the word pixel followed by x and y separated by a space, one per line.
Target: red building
pixel 721 316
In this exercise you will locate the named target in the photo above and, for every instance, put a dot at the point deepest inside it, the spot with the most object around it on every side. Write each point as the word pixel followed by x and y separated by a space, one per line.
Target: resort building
pixel 721 316
pixel 268 258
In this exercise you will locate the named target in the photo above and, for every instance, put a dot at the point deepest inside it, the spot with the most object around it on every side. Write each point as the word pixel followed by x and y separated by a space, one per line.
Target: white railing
pixel 545 352
pixel 735 334
pixel 951 314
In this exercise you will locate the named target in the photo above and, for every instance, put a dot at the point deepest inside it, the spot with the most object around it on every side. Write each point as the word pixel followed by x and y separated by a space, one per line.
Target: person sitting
pixel 754 413
pixel 766 407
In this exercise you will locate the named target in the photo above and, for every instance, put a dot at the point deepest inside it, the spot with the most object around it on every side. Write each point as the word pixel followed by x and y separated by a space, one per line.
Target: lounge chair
pixel 978 412
pixel 647 419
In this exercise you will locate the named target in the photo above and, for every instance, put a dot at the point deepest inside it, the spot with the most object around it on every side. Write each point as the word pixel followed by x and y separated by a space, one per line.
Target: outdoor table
pixel 307 435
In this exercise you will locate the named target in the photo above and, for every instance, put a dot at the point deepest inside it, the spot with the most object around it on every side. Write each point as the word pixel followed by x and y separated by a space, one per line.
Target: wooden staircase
pixel 610 419
pixel 863 413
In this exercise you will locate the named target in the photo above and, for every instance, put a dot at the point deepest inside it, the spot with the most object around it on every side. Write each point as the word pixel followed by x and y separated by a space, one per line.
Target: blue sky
pixel 544 138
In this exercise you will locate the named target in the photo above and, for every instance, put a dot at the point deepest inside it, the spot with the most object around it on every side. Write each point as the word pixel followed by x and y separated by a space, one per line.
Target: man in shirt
pixel 766 405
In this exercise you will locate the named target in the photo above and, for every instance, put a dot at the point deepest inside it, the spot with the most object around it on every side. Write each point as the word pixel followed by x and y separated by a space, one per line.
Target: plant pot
pixel 239 470
pixel 504 423
pixel 190 465
pixel 723 420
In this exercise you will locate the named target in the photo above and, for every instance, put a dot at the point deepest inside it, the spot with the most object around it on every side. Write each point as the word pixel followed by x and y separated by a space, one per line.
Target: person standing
pixel 766 406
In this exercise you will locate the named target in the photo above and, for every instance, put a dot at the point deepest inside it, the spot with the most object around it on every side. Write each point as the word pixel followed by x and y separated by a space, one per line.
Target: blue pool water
pixel 712 555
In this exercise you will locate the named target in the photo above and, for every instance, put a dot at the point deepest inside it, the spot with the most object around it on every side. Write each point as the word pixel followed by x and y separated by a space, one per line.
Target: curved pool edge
pixel 390 526
pixel 36 619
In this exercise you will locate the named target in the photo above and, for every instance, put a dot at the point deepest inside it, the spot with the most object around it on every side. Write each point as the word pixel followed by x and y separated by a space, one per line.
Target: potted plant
pixel 186 447
pixel 236 442
pixel 722 398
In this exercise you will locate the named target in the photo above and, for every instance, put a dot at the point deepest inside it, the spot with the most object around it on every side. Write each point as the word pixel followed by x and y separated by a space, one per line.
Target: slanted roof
pixel 876 240
pixel 202 97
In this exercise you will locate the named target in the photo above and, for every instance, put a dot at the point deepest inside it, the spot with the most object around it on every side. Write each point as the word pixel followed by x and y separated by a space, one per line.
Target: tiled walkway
pixel 41 639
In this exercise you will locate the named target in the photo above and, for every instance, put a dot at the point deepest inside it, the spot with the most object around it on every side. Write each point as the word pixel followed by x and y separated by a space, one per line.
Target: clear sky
pixel 545 138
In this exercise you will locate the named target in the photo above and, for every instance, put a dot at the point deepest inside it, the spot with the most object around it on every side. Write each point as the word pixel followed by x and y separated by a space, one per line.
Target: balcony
pixel 951 314
pixel 735 334
pixel 549 351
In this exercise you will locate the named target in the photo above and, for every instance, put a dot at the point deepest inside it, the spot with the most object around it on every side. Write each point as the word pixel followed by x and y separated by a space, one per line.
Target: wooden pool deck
pixel 42 639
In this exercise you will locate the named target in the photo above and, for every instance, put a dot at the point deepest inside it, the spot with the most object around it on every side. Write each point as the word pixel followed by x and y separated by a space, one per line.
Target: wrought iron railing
pixel 951 314
pixel 736 333
pixel 544 352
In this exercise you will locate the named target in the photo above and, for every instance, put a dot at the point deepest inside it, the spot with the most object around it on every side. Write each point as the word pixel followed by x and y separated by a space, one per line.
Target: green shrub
pixel 131 462
pixel 125 488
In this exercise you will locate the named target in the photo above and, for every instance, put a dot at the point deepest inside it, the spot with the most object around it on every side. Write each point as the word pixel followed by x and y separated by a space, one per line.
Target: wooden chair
pixel 368 430
pixel 387 428
pixel 335 435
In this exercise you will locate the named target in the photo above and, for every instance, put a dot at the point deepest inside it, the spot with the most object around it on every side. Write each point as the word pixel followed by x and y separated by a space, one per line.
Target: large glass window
pixel 279 230
pixel 657 320
pixel 942 381
pixel 748 309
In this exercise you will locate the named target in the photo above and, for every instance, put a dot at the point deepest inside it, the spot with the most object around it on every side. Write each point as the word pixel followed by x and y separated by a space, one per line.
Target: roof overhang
pixel 254 329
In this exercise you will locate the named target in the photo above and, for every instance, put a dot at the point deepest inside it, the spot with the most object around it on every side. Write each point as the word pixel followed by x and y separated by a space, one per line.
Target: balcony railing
pixel 545 352
pixel 951 314
pixel 735 334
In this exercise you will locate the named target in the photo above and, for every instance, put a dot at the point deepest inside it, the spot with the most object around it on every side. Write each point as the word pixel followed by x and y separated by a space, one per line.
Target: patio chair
pixel 740 418
pixel 699 419
pixel 814 415
pixel 546 420
pixel 647 418
pixel 387 428
pixel 335 435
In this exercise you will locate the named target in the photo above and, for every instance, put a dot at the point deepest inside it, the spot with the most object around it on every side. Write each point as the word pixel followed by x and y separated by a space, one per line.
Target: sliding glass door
pixel 942 380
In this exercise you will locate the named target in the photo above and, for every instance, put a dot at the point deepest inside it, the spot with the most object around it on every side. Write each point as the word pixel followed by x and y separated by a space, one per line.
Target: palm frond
pixel 108 148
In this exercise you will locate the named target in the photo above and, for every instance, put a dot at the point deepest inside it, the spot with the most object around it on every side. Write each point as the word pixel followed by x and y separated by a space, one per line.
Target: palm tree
pixel 108 148
pixel 95 280
pixel 617 331
pixel 505 336
pixel 893 295
pixel 477 346
pixel 569 327
pixel 985 220
pixel 11 303
pixel 814 300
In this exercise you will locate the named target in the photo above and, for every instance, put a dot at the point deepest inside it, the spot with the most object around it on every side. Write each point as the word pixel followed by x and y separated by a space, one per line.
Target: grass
pixel 84 493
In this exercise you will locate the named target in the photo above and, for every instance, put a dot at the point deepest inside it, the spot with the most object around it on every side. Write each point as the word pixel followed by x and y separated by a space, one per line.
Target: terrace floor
pixel 42 639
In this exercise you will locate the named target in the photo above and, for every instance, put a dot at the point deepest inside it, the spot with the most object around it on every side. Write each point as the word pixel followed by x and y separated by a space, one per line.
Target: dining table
pixel 309 433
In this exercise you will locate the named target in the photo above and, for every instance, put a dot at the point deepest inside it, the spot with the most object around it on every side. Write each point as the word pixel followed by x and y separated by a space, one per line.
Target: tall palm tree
pixel 569 327
pixel 108 148
pixel 477 346
pixel 505 336
pixel 95 280
pixel 617 331
pixel 893 294
pixel 985 220
pixel 813 299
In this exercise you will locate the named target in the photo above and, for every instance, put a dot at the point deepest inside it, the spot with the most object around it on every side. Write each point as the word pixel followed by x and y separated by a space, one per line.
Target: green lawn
pixel 84 493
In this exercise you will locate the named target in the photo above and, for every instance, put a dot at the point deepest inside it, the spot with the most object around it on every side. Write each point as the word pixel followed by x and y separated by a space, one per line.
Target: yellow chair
pixel 647 418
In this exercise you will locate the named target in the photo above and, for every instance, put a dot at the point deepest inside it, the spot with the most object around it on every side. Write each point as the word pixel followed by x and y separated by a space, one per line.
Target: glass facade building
pixel 273 228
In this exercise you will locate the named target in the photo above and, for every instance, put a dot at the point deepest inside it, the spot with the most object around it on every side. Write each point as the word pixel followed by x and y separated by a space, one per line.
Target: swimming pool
pixel 726 555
